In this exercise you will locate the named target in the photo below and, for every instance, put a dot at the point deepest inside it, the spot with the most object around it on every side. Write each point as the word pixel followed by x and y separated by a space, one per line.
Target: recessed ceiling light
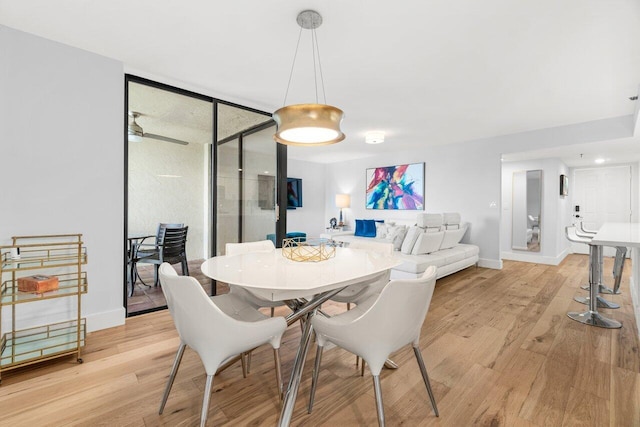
pixel 374 137
pixel 599 160
pixel 169 176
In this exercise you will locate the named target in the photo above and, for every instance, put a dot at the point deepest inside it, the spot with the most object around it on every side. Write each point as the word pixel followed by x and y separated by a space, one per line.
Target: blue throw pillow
pixel 359 228
pixel 369 228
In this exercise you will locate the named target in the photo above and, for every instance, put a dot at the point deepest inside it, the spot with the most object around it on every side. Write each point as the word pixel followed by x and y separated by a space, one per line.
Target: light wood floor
pixel 498 345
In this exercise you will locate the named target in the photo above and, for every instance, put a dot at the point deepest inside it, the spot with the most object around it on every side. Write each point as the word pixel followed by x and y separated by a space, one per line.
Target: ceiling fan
pixel 136 133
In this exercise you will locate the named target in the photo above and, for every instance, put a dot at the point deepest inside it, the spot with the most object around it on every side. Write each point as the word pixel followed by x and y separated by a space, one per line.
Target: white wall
pixel 61 136
pixel 311 218
pixel 466 177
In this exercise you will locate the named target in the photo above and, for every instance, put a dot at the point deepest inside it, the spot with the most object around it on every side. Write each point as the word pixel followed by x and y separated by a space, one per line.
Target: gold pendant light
pixel 308 124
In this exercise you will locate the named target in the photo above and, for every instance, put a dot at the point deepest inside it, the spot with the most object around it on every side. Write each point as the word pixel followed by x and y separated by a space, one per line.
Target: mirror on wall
pixel 527 210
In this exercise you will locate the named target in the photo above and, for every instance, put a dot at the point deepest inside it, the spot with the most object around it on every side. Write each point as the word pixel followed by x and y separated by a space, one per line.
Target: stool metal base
pixel 594 319
pixel 603 290
pixel 602 303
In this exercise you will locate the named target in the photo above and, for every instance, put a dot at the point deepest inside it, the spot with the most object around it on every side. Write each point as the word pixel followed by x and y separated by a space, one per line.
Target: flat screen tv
pixel 294 193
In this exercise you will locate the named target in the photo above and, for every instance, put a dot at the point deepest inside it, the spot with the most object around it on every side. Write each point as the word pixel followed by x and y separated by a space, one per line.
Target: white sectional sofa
pixel 433 239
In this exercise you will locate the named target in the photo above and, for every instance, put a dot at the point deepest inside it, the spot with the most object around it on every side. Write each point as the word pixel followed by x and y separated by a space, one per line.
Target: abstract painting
pixel 398 187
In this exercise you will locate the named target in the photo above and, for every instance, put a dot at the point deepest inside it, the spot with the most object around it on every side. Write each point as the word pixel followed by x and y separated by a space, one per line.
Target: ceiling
pixel 432 72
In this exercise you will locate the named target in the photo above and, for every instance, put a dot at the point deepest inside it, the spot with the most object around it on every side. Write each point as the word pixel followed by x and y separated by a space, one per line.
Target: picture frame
pixel 564 185
pixel 397 187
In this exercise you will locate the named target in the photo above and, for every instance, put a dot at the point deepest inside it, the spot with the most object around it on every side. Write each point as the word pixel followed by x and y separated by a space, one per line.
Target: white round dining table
pixel 303 285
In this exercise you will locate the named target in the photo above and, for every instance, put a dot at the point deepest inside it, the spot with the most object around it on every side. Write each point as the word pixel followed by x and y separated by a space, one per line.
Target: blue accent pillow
pixel 369 228
pixel 365 228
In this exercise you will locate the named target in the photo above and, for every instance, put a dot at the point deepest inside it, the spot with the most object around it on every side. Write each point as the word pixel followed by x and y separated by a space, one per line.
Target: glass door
pixel 247 207
pixel 168 181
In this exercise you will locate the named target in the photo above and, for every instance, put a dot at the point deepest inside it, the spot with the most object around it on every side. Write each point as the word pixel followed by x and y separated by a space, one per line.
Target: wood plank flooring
pixel 498 345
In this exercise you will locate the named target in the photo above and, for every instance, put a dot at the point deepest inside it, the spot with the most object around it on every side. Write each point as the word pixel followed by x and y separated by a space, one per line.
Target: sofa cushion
pixel 418 264
pixel 453 254
pixel 427 243
pixel 452 237
pixel 410 239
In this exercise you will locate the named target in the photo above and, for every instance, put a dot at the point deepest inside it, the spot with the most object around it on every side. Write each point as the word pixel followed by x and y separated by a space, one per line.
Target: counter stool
pixel 574 236
pixel 618 265
pixel 591 317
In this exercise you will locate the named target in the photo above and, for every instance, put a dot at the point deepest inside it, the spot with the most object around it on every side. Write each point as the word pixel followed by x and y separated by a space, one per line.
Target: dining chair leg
pixel 425 377
pixel 276 358
pixel 243 361
pixel 132 278
pixel 156 276
pixel 205 401
pixel 172 376
pixel 248 362
pixel 362 368
pixel 314 378
pixel 378 392
pixel 185 267
pixel 272 311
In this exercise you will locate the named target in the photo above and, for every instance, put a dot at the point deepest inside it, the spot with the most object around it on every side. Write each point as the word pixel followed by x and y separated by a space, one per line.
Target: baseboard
pixel 495 264
pixel 104 320
pixel 535 258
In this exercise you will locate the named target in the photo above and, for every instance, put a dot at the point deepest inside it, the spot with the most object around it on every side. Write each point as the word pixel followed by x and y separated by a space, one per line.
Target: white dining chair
pixel 248 296
pixel 362 291
pixel 374 331
pixel 214 335
pixel 359 292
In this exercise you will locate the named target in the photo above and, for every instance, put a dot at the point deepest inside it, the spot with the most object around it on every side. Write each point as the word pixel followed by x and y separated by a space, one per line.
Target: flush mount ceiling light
pixel 374 137
pixel 599 160
pixel 308 124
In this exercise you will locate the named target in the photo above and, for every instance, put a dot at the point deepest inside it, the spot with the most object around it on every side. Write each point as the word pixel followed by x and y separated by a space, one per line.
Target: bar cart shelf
pixel 61 256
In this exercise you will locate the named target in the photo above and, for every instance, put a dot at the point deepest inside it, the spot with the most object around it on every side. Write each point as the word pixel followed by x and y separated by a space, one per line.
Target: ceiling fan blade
pixel 165 138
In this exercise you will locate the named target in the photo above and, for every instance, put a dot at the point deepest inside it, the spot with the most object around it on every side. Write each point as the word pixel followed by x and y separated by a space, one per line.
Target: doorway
pixel 168 181
pixel 601 195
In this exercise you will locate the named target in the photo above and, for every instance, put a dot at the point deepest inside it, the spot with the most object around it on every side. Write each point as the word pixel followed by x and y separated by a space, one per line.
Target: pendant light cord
pixel 315 49
pixel 292 66
pixel 324 95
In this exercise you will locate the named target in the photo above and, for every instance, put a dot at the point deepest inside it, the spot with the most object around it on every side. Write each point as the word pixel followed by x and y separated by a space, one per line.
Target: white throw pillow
pixel 410 239
pixel 452 238
pixel 382 230
pixel 427 243
pixel 396 235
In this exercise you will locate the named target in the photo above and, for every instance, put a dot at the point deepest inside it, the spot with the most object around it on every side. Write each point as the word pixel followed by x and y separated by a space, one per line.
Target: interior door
pixel 601 195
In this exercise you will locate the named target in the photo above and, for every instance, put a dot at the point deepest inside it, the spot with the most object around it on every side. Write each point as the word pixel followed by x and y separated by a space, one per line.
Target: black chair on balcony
pixel 170 247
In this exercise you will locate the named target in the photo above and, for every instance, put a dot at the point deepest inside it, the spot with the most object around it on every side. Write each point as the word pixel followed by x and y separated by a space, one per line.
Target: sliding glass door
pixel 201 162
pixel 247 208
pixel 169 151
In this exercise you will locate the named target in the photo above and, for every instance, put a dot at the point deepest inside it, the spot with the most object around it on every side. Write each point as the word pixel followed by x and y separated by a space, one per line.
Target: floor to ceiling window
pixel 224 192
